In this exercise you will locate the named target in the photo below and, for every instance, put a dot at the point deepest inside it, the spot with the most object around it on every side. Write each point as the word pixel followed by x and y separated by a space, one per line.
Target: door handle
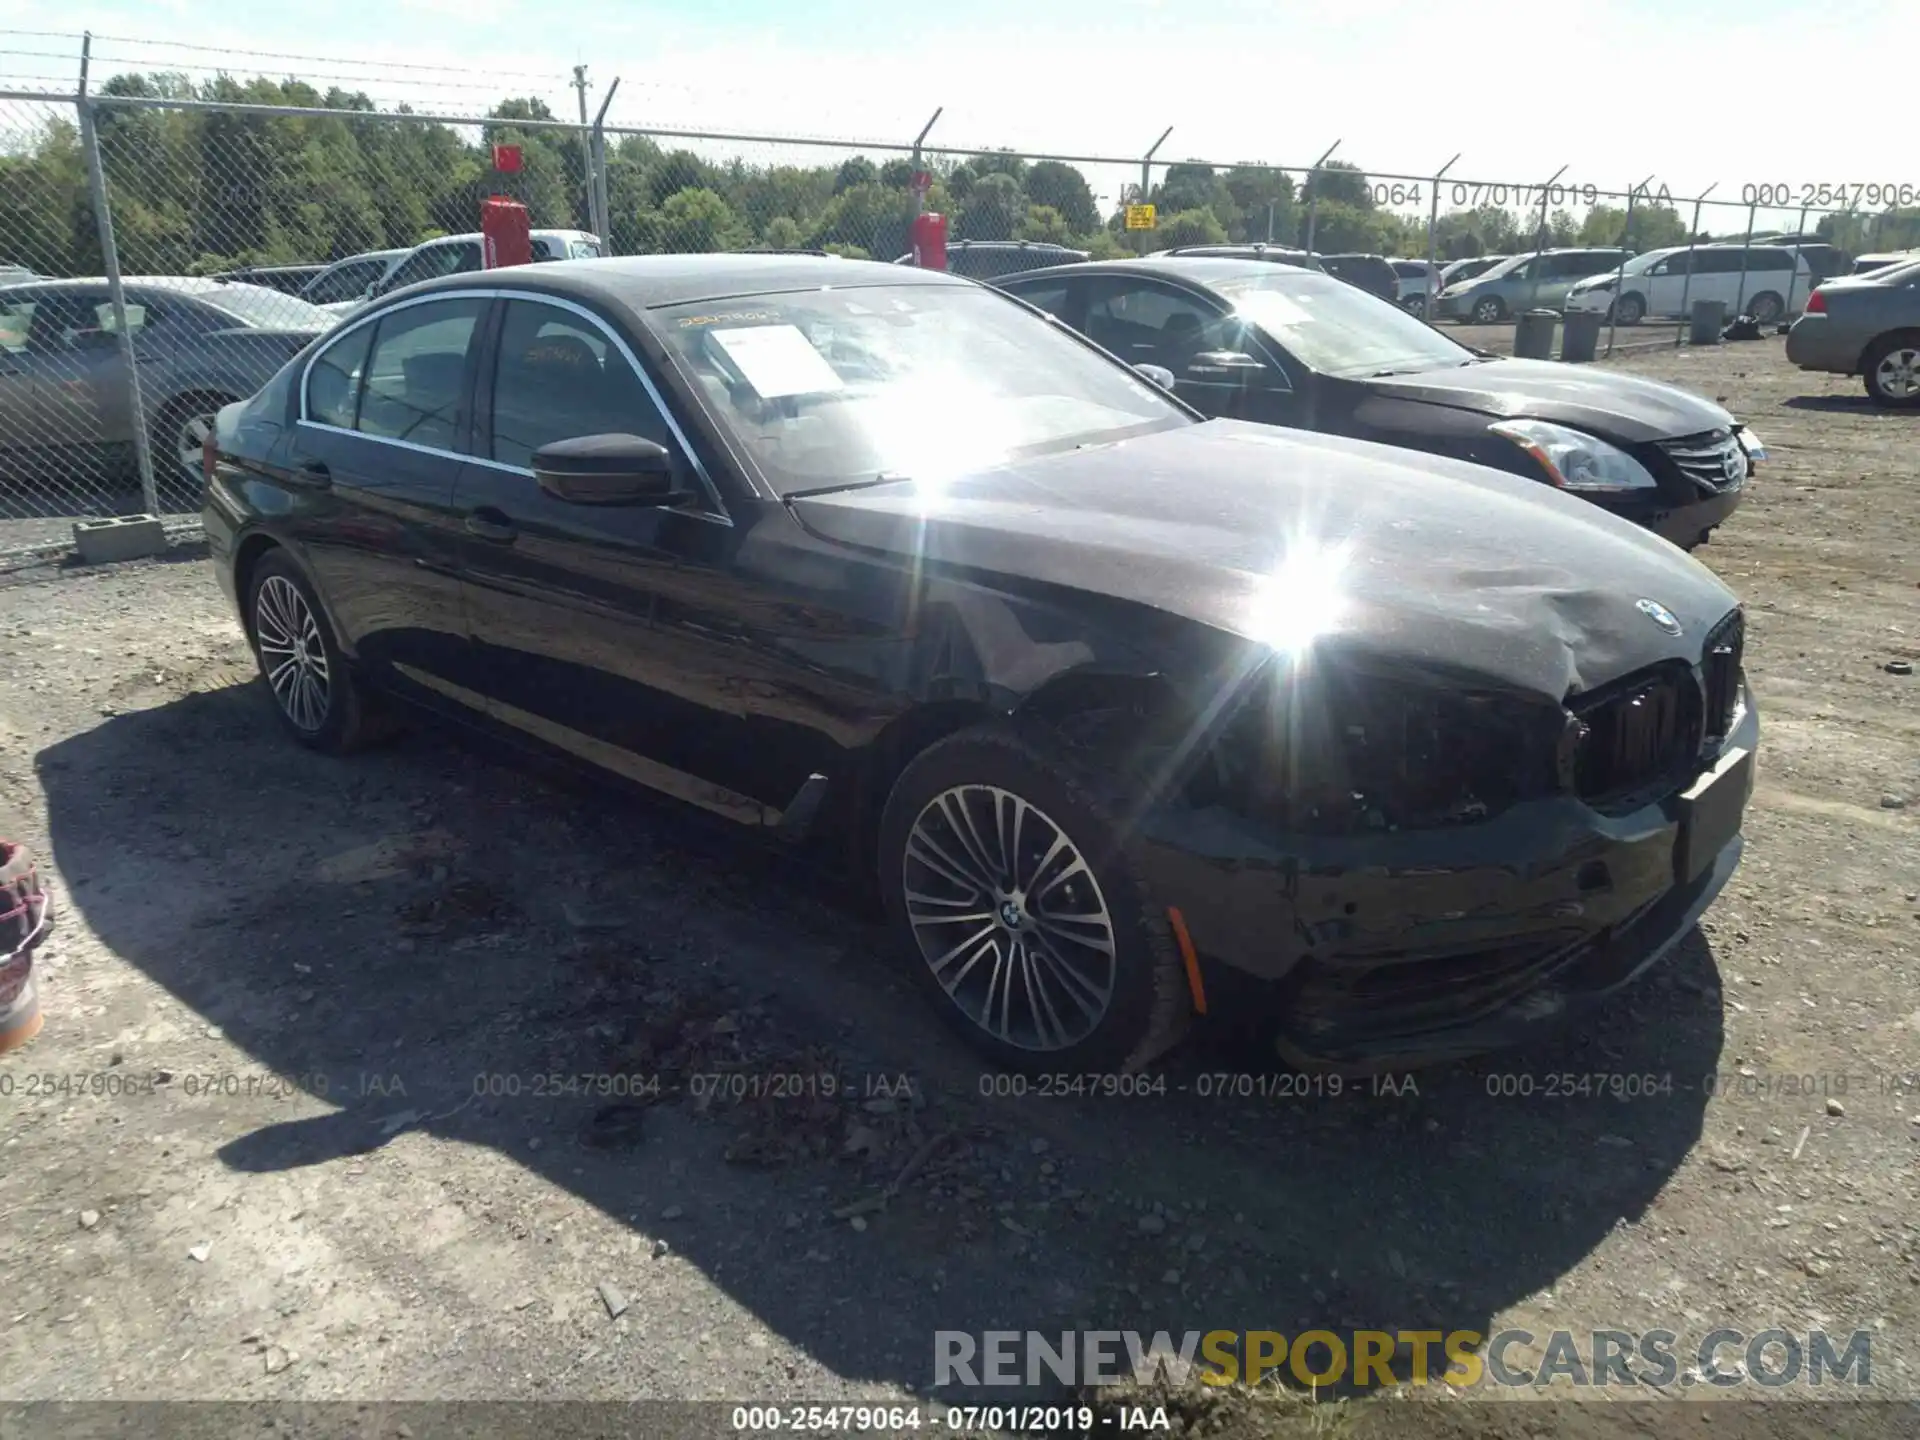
pixel 491 524
pixel 315 473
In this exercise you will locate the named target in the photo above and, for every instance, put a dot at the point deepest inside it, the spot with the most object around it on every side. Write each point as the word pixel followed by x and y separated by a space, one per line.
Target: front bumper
pixel 1682 524
pixel 1453 307
pixel 1398 949
pixel 1589 302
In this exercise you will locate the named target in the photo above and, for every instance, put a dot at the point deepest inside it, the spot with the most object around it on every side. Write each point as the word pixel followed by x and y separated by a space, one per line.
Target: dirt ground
pixel 315 1115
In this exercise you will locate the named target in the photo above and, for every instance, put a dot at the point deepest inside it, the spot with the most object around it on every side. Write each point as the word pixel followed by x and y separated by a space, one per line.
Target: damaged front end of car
pixel 1417 864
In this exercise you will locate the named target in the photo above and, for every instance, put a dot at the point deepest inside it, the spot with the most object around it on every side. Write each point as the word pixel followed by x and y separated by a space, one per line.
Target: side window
pixel 1576 267
pixel 1146 325
pixel 559 378
pixel 433 261
pixel 416 374
pixel 1050 298
pixel 333 384
pixel 1716 262
pixel 346 283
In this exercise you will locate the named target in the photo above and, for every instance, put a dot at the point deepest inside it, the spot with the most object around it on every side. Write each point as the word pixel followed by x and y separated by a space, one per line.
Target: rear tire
pixel 1766 308
pixel 1891 369
pixel 317 696
pixel 1042 964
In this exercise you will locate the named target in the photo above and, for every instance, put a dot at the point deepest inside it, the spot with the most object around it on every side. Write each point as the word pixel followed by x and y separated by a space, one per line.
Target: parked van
pixel 1668 282
pixel 1522 283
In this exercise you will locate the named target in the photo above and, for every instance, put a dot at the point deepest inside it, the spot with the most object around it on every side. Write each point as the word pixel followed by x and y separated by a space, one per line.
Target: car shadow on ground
pixel 433 915
pixel 1833 404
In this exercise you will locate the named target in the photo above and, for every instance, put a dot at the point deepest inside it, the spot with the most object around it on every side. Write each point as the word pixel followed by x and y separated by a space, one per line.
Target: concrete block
pixel 123 537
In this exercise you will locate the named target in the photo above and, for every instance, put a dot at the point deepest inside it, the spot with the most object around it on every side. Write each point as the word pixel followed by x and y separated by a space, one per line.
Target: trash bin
pixel 1580 340
pixel 1709 319
pixel 1533 335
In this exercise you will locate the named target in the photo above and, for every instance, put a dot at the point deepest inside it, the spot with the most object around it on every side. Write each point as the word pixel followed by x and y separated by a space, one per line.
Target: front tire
pixel 1012 893
pixel 1490 311
pixel 1892 371
pixel 1631 309
pixel 315 693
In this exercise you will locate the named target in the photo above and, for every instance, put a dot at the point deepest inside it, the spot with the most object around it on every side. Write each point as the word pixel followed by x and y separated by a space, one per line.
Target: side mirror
pixel 1158 374
pixel 607 470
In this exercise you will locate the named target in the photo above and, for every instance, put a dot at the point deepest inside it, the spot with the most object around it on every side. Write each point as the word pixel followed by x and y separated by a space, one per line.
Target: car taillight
pixel 1817 303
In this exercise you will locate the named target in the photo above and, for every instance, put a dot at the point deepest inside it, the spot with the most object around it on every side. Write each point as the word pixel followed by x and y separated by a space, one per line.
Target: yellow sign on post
pixel 1139 217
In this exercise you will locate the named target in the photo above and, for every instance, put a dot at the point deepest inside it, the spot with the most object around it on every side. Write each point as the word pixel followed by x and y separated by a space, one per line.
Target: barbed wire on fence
pixel 205 197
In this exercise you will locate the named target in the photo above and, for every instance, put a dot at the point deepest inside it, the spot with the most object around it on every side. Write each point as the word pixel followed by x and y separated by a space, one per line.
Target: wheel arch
pixel 1907 332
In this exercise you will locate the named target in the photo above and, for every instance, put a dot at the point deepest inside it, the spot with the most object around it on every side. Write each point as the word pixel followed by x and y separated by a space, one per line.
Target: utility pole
pixel 586 154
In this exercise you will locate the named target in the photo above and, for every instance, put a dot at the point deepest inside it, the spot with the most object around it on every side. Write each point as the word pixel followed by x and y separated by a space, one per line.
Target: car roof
pixel 472 235
pixel 644 282
pixel 1202 270
pixel 180 284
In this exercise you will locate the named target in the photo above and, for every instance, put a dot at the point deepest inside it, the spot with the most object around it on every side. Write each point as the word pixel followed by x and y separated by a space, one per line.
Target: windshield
pixel 1505 267
pixel 1639 264
pixel 266 309
pixel 837 387
pixel 1337 329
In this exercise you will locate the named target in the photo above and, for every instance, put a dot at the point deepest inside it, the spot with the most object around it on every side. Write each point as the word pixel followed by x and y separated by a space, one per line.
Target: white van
pixel 1667 282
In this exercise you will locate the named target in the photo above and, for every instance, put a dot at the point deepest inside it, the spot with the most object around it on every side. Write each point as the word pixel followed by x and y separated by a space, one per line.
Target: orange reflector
pixel 1188 958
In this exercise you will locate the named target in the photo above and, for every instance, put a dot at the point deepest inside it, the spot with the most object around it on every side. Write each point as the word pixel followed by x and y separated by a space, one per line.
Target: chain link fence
pixel 166 246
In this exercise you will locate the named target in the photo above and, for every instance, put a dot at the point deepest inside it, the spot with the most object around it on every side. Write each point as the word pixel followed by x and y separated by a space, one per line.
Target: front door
pixel 1220 365
pixel 561 597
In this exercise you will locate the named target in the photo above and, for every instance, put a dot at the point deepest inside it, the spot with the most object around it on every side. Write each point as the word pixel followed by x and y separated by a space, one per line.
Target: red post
pixel 930 240
pixel 506 233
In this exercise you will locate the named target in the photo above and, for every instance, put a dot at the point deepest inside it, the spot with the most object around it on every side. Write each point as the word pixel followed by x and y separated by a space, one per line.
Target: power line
pixel 321 59
pixel 170 65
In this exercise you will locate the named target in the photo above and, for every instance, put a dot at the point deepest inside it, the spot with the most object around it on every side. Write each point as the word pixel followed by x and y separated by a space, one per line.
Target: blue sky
pixel 1691 91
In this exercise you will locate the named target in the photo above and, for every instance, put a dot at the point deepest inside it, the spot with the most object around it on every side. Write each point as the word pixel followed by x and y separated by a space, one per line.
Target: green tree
pixel 1340 180
pixel 1060 187
pixel 855 170
pixel 1044 224
pixel 992 209
pixel 1190 227
pixel 696 222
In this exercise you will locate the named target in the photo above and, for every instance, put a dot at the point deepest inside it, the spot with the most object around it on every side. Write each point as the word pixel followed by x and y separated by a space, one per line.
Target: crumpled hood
pixel 1602 402
pixel 1449 567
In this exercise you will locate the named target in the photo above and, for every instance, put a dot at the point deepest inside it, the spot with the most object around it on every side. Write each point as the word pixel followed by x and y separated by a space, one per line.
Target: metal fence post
pixel 110 259
pixel 1433 244
pixel 1686 283
pixel 1620 271
pixel 1313 195
pixel 1746 254
pixel 1794 279
pixel 1540 236
pixel 604 211
pixel 1146 167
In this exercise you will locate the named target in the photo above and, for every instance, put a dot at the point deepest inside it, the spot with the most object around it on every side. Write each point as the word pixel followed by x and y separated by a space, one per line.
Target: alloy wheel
pixel 1009 917
pixel 293 656
pixel 1897 376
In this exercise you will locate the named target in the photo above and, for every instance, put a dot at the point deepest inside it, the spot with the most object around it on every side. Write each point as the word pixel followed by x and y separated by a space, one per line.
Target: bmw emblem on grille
pixel 1659 614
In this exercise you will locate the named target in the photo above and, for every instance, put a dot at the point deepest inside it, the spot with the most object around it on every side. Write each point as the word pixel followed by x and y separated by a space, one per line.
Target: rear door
pixel 384 431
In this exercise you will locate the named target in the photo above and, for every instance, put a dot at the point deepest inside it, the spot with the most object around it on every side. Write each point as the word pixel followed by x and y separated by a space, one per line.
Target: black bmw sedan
pixel 1285 346
pixel 1125 709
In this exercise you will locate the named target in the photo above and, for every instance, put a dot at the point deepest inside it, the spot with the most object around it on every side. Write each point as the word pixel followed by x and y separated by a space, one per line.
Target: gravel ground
pixel 429 932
